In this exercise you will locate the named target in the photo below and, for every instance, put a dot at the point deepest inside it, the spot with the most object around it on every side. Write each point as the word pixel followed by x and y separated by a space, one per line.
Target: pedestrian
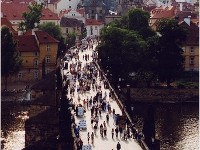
pixel 112 133
pixel 95 129
pixel 88 136
pixel 101 130
pixel 105 130
pixel 120 131
pixel 92 138
pixel 107 118
pixel 118 146
pixel 116 132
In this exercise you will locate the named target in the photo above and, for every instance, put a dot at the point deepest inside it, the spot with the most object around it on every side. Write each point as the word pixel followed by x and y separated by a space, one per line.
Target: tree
pixel 52 29
pixel 10 61
pixel 32 16
pixel 169 56
pixel 119 50
pixel 138 20
pixel 70 40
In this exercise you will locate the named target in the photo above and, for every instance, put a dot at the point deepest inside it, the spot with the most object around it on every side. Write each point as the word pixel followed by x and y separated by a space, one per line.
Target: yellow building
pixel 34 49
pixel 191 46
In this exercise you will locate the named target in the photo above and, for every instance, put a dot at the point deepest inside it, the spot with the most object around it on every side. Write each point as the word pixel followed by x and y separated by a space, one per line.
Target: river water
pixel 177 125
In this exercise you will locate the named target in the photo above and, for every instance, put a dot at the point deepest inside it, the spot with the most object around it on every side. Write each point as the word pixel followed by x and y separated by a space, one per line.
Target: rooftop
pixel 70 22
pixel 44 37
pixel 27 43
pixel 14 11
pixel 93 22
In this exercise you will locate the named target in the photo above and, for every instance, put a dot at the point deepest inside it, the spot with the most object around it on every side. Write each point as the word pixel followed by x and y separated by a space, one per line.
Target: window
pixel 70 6
pixel 95 27
pixel 191 60
pixel 100 11
pixel 47 71
pixel 36 53
pixel 35 62
pixel 26 61
pixel 191 49
pixel 67 30
pixel 183 48
pixel 35 74
pixel 48 48
pixel 93 17
pixel 92 11
pixel 47 59
pixel 19 76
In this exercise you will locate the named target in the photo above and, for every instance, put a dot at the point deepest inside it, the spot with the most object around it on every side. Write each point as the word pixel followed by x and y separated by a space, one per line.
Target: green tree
pixel 10 61
pixel 169 56
pixel 119 50
pixel 138 20
pixel 70 40
pixel 52 29
pixel 32 16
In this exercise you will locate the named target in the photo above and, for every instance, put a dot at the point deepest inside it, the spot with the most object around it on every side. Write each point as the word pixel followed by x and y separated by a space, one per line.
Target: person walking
pixel 92 138
pixel 116 132
pixel 112 133
pixel 105 130
pixel 107 118
pixel 120 131
pixel 88 136
pixel 118 146
pixel 95 129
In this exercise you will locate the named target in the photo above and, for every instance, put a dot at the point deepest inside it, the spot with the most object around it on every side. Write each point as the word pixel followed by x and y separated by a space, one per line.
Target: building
pixel 70 25
pixel 69 4
pixel 36 49
pixel 161 12
pixel 76 14
pixel 191 45
pixel 96 10
pixel 7 23
pixel 93 27
pixel 13 12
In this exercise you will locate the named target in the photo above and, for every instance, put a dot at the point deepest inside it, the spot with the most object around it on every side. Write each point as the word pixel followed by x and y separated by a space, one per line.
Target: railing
pixel 123 109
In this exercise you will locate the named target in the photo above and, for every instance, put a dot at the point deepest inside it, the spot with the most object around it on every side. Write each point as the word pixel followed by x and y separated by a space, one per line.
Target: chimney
pixel 181 6
pixel 96 16
pixel 20 32
pixel 33 31
pixel 87 16
pixel 187 20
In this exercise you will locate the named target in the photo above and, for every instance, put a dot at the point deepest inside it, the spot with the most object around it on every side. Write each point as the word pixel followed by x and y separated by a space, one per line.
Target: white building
pixel 93 27
pixel 67 4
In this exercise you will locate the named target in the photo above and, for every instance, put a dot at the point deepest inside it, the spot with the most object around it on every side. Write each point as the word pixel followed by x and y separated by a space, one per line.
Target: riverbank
pixel 163 95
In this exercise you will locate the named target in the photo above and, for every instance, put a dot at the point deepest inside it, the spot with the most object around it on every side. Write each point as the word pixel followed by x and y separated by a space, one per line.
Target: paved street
pixel 80 96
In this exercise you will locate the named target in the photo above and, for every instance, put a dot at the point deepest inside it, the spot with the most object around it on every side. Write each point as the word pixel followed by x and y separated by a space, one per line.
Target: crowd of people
pixel 84 78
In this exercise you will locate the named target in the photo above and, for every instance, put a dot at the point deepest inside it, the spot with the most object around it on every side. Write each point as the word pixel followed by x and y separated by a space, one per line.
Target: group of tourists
pixel 84 78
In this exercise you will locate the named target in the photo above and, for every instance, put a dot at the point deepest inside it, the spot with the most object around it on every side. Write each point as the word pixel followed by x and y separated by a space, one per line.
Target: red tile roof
pixel 27 43
pixel 66 11
pixel 44 37
pixel 163 12
pixel 93 22
pixel 6 22
pixel 13 11
pixel 192 33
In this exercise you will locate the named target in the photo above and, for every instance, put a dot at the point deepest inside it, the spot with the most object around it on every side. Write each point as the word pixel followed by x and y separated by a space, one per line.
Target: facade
pixel 70 25
pixel 13 12
pixel 96 10
pixel 76 14
pixel 67 4
pixel 93 27
pixel 191 46
pixel 33 50
pixel 161 12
